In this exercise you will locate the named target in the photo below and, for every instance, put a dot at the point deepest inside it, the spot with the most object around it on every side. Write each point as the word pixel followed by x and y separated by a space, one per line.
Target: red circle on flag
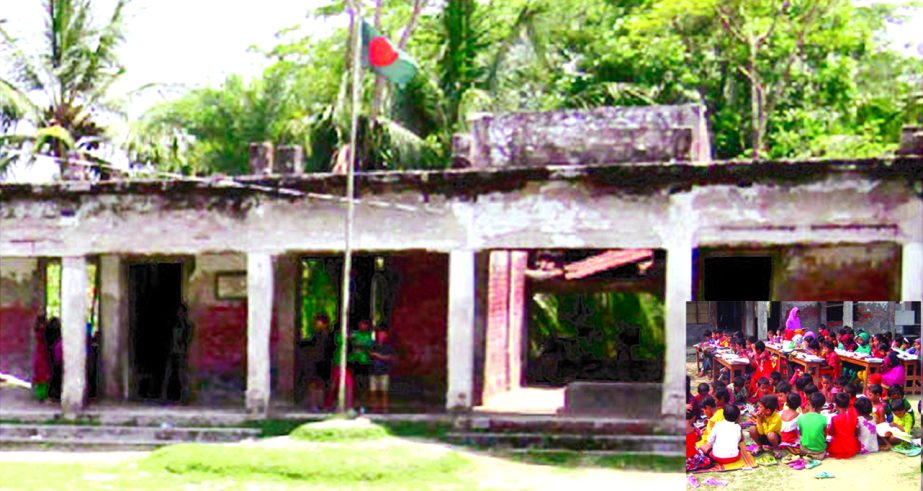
pixel 381 53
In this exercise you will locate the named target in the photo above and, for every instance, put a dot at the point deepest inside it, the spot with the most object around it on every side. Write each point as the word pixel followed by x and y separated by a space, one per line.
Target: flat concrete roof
pixel 630 178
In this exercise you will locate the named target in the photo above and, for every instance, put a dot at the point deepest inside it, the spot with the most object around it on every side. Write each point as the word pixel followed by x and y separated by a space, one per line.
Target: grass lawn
pixel 334 455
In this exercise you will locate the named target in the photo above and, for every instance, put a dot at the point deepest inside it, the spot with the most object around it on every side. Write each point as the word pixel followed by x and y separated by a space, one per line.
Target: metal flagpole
pixel 350 191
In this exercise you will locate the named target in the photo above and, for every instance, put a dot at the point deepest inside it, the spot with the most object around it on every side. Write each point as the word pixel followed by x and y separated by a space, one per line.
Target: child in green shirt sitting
pixel 813 427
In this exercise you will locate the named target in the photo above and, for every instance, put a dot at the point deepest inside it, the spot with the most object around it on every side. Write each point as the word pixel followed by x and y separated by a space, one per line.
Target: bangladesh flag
pixel 394 64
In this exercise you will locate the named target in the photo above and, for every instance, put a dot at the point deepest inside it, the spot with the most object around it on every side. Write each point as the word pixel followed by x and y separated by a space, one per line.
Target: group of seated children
pixel 788 418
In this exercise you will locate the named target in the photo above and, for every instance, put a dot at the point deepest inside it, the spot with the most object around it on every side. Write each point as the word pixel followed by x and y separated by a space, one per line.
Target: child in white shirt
pixel 724 440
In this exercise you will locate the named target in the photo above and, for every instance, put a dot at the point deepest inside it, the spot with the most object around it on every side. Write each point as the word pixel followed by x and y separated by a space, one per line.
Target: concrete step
pixel 599 453
pixel 557 425
pixel 59 444
pixel 144 435
pixel 645 444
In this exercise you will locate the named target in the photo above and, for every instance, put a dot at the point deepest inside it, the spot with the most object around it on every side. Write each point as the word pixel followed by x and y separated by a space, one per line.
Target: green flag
pixel 378 52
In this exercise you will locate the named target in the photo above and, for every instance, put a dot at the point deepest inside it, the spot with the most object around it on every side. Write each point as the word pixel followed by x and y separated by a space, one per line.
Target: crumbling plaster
pixel 562 212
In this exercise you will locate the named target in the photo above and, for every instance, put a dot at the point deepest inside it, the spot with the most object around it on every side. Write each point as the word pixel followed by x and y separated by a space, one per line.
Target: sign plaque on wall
pixel 231 285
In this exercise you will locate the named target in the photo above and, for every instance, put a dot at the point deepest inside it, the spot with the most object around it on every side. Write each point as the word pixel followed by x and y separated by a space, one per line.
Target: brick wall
pixel 218 355
pixel 419 320
pixel 875 317
pixel 496 358
pixel 21 300
pixel 519 261
pixel 808 312
pixel 859 272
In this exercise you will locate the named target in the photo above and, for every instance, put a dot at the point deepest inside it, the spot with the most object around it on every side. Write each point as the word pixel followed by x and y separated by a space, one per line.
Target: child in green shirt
pixel 813 427
pixel 901 420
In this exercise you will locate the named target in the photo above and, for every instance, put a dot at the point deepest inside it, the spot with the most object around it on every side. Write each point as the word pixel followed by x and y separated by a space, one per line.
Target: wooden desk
pixel 914 384
pixel 735 368
pixel 782 357
pixel 812 368
pixel 869 366
pixel 699 350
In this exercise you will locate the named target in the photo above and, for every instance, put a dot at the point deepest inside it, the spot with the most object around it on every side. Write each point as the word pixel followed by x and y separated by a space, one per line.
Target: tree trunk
pixel 756 106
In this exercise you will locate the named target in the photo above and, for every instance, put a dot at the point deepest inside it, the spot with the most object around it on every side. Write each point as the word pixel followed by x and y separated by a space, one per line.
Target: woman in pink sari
pixel 892 371
pixel 792 324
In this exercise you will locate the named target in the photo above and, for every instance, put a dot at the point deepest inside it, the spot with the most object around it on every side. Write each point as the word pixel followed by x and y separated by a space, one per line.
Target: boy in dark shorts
pixel 382 355
pixel 360 363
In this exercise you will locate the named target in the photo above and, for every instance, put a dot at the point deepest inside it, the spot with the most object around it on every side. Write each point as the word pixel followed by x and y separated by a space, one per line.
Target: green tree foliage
pixel 319 293
pixel 567 315
pixel 209 130
pixel 50 100
pixel 800 78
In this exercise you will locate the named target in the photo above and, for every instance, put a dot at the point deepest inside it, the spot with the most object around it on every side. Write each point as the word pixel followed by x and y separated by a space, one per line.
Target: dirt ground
pixel 873 471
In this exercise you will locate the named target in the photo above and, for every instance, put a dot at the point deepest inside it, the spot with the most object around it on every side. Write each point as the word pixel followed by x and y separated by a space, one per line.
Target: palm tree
pixel 50 100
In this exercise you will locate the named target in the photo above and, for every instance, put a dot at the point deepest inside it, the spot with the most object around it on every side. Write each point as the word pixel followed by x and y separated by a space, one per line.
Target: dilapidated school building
pixel 627 198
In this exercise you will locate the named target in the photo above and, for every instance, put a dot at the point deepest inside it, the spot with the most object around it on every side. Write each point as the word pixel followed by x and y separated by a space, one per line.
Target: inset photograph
pixel 817 395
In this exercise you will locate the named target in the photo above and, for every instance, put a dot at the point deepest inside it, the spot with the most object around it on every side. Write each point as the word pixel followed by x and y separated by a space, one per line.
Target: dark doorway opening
pixel 731 316
pixel 156 292
pixel 775 316
pixel 834 313
pixel 738 278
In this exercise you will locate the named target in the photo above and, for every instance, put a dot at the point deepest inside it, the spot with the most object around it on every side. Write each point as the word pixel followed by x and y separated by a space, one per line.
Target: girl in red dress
pixel 761 363
pixel 831 358
pixel 843 429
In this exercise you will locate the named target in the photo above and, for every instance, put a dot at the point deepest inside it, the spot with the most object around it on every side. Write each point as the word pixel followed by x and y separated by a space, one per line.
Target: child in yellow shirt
pixel 767 429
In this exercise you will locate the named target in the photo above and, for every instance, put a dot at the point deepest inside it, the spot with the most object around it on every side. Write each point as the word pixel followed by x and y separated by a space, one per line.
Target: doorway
pixel 738 278
pixel 155 293
pixel 775 316
pixel 730 316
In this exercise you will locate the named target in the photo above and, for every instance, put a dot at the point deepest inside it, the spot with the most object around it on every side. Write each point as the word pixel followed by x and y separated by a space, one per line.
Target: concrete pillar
pixel 847 314
pixel 762 319
pixel 750 318
pixel 259 322
pixel 912 272
pixel 113 316
pixel 822 309
pixel 261 158
pixel 678 292
pixel 286 323
pixel 74 332
pixel 461 330
pixel 289 160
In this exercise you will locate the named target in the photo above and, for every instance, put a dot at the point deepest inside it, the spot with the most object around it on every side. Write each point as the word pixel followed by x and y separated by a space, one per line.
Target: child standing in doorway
pixel 383 355
pixel 41 361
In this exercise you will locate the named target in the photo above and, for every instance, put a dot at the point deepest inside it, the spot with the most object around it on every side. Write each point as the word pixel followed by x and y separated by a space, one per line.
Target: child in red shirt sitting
pixel 695 458
pixel 762 389
pixel 843 427
pixel 831 359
